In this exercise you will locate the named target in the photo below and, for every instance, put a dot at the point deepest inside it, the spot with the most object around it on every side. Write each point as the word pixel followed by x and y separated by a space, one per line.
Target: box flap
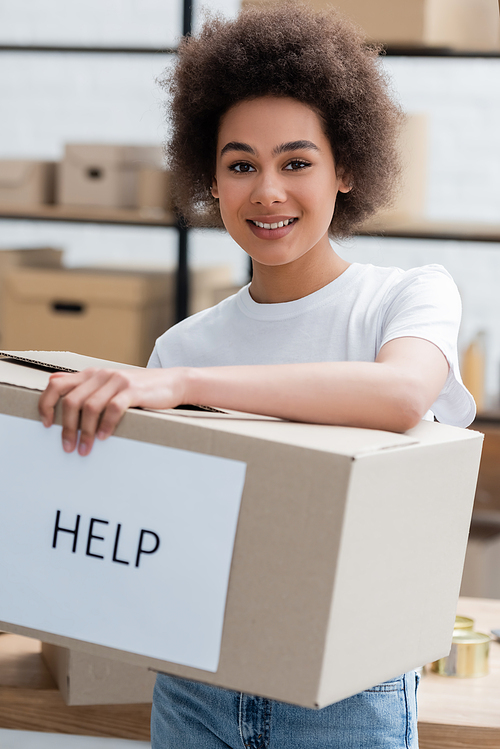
pixel 32 369
pixel 63 361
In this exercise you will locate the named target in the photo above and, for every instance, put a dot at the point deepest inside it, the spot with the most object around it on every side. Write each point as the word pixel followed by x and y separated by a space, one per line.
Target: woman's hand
pixel 95 400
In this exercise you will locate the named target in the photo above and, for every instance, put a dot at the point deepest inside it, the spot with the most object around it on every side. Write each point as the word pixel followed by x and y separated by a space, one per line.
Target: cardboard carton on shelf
pixel 208 284
pixel 413 147
pixel 107 314
pixel 85 679
pixel 458 24
pixel 104 175
pixel 481 578
pixel 314 596
pixel 154 191
pixel 26 183
pixel 224 292
pixel 36 257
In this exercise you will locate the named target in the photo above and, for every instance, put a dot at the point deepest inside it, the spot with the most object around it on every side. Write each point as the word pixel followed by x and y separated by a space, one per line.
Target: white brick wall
pixel 48 99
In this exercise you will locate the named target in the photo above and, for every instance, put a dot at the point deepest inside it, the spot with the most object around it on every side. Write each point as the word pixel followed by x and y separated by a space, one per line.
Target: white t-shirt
pixel 350 319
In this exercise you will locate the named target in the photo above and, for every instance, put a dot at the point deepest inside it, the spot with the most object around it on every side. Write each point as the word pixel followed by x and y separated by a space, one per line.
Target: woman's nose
pixel 268 188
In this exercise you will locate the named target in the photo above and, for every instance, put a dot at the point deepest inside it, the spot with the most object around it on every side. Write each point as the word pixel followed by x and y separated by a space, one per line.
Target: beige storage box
pixel 410 202
pixel 45 257
pixel 343 548
pixel 103 174
pixel 115 315
pixel 481 578
pixel 154 191
pixel 85 679
pixel 205 286
pixel 458 24
pixel 225 292
pixel 38 257
pixel 26 183
pixel 208 285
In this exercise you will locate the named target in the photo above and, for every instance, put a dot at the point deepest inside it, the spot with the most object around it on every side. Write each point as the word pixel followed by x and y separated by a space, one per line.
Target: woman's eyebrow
pixel 295 145
pixel 236 146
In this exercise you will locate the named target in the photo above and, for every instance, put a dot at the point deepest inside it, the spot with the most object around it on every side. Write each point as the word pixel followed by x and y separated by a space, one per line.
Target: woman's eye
pixel 296 165
pixel 242 167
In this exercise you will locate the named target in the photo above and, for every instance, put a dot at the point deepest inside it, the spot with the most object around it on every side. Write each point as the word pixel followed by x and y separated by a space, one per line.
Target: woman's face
pixel 275 179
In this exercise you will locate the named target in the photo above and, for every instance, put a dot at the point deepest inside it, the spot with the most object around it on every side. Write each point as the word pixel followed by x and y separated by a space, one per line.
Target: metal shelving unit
pixel 425 229
pixel 115 216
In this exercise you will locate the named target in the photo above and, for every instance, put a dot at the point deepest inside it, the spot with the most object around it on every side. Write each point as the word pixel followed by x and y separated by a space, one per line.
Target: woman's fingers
pixel 102 411
pixel 59 385
pixel 94 401
pixel 75 406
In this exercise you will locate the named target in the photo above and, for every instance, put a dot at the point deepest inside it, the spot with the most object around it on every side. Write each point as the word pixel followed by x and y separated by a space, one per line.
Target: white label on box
pixel 129 547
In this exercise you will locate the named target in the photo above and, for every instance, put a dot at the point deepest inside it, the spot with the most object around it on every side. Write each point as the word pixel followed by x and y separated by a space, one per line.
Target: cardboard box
pixel 85 679
pixel 26 182
pixel 347 556
pixel 114 315
pixel 481 577
pixel 34 257
pixel 410 201
pixel 224 292
pixel 205 286
pixel 487 503
pixel 460 24
pixel 208 285
pixel 154 191
pixel 104 175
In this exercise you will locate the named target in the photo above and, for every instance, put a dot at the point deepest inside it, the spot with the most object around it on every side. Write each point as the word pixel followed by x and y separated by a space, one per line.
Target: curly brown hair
pixel 285 49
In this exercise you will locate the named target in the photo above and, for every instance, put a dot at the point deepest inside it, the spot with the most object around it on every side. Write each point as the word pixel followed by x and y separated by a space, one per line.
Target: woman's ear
pixel 214 189
pixel 344 181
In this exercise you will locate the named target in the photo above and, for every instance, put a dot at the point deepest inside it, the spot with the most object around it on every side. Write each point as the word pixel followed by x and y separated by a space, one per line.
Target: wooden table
pixel 454 713
pixel 464 713
pixel 30 700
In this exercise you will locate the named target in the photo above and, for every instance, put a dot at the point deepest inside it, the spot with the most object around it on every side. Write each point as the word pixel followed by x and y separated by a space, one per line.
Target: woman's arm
pixel 392 393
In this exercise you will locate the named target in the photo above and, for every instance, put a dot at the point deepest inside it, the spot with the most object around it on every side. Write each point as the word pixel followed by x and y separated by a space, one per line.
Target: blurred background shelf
pixel 421 51
pixel 393 227
pixel 85 214
pixel 428 229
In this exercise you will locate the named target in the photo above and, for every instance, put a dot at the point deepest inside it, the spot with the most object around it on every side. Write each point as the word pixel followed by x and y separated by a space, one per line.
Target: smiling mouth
pixel 277 225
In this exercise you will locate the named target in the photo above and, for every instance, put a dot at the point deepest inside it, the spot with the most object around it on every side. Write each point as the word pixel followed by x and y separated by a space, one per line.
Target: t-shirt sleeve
pixel 154 360
pixel 426 304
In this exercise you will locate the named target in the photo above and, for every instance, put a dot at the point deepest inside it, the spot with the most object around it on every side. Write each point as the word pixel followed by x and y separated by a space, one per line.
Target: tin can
pixel 468 656
pixel 462 623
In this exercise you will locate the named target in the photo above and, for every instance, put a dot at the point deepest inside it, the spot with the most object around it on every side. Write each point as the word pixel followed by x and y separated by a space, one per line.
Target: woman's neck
pixel 272 284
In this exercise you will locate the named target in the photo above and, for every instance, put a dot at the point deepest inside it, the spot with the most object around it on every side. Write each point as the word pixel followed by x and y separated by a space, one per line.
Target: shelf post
pixel 182 278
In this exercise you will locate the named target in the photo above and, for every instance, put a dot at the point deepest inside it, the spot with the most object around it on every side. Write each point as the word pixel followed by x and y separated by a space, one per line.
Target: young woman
pixel 284 133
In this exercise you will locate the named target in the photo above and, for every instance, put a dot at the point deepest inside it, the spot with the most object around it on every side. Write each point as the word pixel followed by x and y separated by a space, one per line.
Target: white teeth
pixel 278 225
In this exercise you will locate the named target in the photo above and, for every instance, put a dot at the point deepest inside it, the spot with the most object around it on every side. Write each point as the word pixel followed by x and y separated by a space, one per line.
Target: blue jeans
pixel 189 715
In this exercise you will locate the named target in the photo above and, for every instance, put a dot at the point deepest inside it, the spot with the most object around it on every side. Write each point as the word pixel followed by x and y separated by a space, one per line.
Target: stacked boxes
pixel 459 24
pixel 85 679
